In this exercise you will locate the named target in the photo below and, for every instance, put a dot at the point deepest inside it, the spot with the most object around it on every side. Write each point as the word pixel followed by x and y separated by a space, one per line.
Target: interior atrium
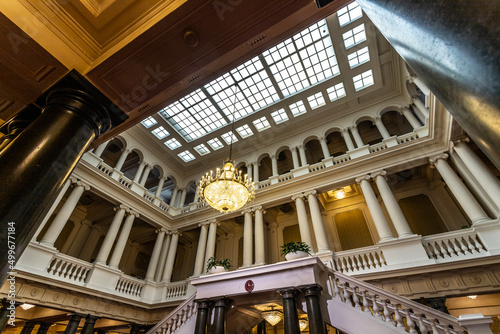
pixel 349 151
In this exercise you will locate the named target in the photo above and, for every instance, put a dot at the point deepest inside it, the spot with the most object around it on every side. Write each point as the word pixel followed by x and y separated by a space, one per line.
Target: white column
pixel 410 117
pixel 160 187
pixel 110 237
pixel 163 257
pixel 144 178
pixel 169 265
pixel 183 197
pixel 122 240
pixel 357 137
pixel 302 154
pixel 305 233
pixel 256 177
pixel 174 197
pixel 122 159
pixel 295 157
pixel 155 255
pixel 72 235
pixel 459 190
pixel 212 239
pixel 273 242
pixel 247 238
pixel 421 85
pixel 62 217
pixel 381 127
pixel 317 222
pixel 480 172
pixel 420 106
pixel 81 238
pixel 392 206
pixel 200 252
pixel 91 244
pixel 381 224
pixel 98 151
pixel 324 147
pixel 250 171
pixel 347 139
pixel 274 163
pixel 138 174
pixel 260 254
pixel 196 195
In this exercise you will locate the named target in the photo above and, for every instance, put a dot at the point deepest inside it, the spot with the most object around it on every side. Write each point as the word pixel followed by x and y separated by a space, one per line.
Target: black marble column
pixel 453 48
pixel 219 326
pixel 44 327
pixel 88 327
pixel 72 326
pixel 14 126
pixel 290 314
pixel 312 295
pixel 28 327
pixel 36 164
pixel 202 316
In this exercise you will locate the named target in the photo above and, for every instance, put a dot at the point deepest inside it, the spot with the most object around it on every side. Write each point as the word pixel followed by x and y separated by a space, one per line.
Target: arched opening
pixel 153 180
pixel 113 151
pixel 190 193
pixel 369 133
pixel 314 154
pixel 167 190
pixel 265 168
pixel 396 124
pixel 336 144
pixel 131 165
pixel 285 162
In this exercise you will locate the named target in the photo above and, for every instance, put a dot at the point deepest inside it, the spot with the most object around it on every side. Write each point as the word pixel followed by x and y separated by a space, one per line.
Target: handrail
pixel 179 316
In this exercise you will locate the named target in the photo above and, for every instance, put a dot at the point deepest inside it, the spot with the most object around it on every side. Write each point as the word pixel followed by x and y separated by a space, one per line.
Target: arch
pixel 131 164
pixel 369 132
pixel 332 130
pixel 284 159
pixel 168 188
pixel 314 153
pixel 364 118
pixel 190 188
pixel 265 167
pixel 262 156
pixel 112 152
pixel 395 123
pixel 153 179
pixel 336 143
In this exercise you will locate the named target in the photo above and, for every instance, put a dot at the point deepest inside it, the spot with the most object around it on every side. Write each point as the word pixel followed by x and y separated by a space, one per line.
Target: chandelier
pixel 227 190
pixel 273 317
pixel 26 306
pixel 302 324
pixel 339 193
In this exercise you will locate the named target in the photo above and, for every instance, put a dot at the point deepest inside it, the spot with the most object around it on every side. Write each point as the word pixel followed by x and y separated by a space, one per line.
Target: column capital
pixel 344 131
pixel 382 173
pixel 176 232
pixel 289 292
pixel 353 128
pixel 364 177
pixel 98 228
pixel 300 147
pixel 202 303
pixel 434 159
pixel 161 229
pixel 273 156
pixel 143 162
pixel 87 222
pixel 414 98
pixel 133 213
pixel 221 301
pixel 255 208
pixel 322 138
pixel 377 119
pixel 311 192
pixel 460 141
pixel 404 109
pixel 205 223
pixel 295 197
pixel 311 289
pixel 121 207
pixel 73 179
pixel 247 210
pixel 83 184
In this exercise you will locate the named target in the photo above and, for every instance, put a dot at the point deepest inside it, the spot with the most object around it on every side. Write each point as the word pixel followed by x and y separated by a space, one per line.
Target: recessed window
pixel 354 36
pixel 228 136
pixel 186 156
pixel 298 108
pixel 173 144
pixel 160 132
pixel 261 124
pixel 201 149
pixel 149 122
pixel 363 80
pixel 349 13
pixel 317 100
pixel 359 57
pixel 215 144
pixel 244 131
pixel 279 116
pixel 336 92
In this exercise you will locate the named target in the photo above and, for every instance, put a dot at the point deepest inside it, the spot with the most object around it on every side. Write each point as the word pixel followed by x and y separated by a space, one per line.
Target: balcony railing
pixel 68 268
pixel 360 260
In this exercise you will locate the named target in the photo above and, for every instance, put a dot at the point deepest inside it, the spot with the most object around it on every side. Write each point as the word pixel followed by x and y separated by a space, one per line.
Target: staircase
pixel 180 321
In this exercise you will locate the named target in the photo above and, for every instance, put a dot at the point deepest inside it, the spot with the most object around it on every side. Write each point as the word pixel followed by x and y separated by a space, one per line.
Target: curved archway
pixel 131 164
pixel 369 132
pixel 153 179
pixel 336 144
pixel 112 152
pixel 265 168
pixel 285 161
pixel 190 190
pixel 395 123
pixel 314 154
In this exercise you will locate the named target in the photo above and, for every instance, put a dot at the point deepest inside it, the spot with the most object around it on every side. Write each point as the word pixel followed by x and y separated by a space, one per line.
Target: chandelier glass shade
pixel 227 190
pixel 273 317
pixel 26 306
pixel 302 324
pixel 339 193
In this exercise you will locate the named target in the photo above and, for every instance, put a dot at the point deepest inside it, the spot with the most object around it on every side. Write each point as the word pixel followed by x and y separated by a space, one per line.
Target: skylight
pixel 261 124
pixel 349 13
pixel 160 132
pixel 279 116
pixel 186 156
pixel 149 122
pixel 173 144
pixel 363 80
pixel 215 144
pixel 317 100
pixel 201 149
pixel 244 131
pixel 336 92
pixel 298 108
pixel 354 36
pixel 227 137
pixel 359 57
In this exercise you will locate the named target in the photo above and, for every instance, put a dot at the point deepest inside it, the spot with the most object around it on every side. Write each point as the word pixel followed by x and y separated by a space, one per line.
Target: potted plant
pixel 215 266
pixel 294 250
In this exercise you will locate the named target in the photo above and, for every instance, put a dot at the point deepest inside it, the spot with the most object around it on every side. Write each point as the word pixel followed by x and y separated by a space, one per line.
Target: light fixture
pixel 273 317
pixel 302 324
pixel 472 296
pixel 26 306
pixel 339 193
pixel 228 190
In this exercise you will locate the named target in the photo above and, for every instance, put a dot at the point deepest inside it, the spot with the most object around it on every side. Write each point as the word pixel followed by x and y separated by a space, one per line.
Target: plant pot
pixel 296 255
pixel 216 269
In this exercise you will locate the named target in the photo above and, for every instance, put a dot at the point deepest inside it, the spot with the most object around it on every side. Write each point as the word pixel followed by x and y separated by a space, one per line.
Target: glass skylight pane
pixel 349 13
pixel 201 149
pixel 317 100
pixel 244 131
pixel 225 100
pixel 186 156
pixel 261 124
pixel 172 109
pixel 228 136
pixel 173 144
pixel 320 61
pixel 160 132
pixel 187 126
pixel 279 116
pixel 149 122
pixel 259 90
pixel 354 36
pixel 215 144
pixel 359 57
pixel 298 108
pixel 363 80
pixel 311 34
pixel 247 69
pixel 336 92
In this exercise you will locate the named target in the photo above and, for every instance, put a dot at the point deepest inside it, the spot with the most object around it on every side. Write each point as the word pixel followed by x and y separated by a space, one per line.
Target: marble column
pixel 250 171
pixel 290 314
pixel 410 117
pixel 43 328
pixel 28 327
pixel 347 138
pixel 381 224
pixel 73 323
pixel 312 294
pixel 256 176
pixel 81 238
pixel 317 222
pixel 274 163
pixel 302 154
pixel 100 149
pixel 273 242
pixel 420 105
pixel 212 238
pixel 174 197
pixel 109 239
pixel 71 238
pixel 200 251
pixel 91 244
pixel 183 197
pixel 159 188
pixel 247 238
pixel 295 157
pixel 155 255
pixel 144 178
pixel 122 159
pixel 421 85
pixel 163 257
pixel 305 233
pixel 219 326
pixel 122 240
pixel 172 252
pixel 88 327
pixel 381 127
pixel 203 306
pixel 466 200
pixel 63 215
pixel 324 147
pixel 260 254
pixel 138 173
pixel 391 204
pixel 357 137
